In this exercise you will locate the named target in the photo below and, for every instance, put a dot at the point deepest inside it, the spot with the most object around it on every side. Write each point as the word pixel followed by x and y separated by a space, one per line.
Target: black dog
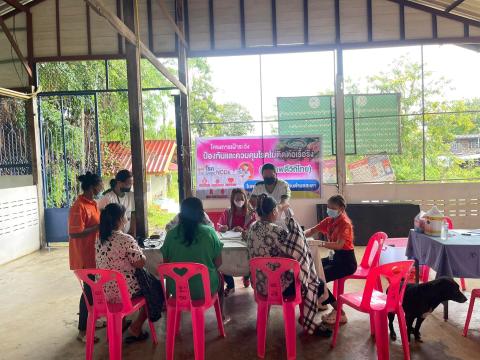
pixel 421 299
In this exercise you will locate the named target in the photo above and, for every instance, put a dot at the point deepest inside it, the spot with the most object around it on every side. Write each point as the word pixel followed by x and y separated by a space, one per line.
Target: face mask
pixel 97 197
pixel 269 180
pixel 125 190
pixel 332 213
pixel 239 203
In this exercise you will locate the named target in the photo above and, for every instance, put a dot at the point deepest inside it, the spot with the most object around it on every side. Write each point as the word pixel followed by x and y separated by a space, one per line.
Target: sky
pixel 237 79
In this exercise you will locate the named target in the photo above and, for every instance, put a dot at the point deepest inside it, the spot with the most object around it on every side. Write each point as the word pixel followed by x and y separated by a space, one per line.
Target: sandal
pixel 323 331
pixel 132 339
pixel 83 338
pixel 228 291
pixel 331 317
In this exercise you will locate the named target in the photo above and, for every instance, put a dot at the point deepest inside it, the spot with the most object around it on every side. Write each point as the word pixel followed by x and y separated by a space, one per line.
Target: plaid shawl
pixel 296 246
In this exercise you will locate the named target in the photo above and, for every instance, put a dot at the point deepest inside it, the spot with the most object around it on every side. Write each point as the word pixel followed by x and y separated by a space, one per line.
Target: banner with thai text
pixel 223 164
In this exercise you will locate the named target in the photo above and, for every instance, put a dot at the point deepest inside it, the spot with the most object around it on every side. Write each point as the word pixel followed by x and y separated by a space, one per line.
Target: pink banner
pixel 231 162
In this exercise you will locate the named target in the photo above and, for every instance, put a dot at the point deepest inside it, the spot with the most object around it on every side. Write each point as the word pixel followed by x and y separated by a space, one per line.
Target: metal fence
pixel 15 148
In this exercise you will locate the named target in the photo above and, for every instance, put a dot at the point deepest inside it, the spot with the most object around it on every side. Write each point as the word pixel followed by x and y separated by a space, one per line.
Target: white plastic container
pixel 434 219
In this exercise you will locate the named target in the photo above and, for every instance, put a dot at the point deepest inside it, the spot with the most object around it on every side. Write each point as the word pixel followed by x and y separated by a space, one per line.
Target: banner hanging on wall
pixel 223 164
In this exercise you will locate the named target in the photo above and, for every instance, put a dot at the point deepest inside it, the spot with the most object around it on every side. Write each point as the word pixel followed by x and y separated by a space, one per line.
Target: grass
pixel 158 218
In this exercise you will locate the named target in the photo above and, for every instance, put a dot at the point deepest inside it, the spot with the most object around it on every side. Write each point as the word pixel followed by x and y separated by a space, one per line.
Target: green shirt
pixel 205 248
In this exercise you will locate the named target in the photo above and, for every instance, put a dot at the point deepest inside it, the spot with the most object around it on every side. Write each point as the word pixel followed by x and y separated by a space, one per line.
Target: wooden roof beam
pixel 172 22
pixel 15 47
pixel 453 5
pixel 17 5
pixel 130 36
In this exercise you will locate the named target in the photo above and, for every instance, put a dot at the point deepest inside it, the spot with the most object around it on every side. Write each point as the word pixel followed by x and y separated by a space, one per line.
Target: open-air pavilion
pixel 39 293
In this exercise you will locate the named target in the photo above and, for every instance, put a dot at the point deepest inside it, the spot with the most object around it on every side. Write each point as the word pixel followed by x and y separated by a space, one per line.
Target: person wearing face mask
pixel 120 193
pixel 83 225
pixel 271 185
pixel 338 229
pixel 238 217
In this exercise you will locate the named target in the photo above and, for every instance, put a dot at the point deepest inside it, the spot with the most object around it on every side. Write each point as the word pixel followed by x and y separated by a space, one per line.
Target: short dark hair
pixel 265 205
pixel 122 175
pixel 338 200
pixel 268 166
pixel 88 180
pixel 109 218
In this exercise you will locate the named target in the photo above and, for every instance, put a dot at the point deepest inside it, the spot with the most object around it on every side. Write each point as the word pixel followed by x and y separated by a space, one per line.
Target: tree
pixel 443 120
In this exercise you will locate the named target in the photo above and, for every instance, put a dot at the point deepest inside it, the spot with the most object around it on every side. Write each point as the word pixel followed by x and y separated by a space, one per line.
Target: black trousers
pixel 83 311
pixel 343 264
pixel 230 282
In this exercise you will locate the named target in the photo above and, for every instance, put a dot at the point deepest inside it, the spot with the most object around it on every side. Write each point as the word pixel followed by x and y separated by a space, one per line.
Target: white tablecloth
pixel 234 256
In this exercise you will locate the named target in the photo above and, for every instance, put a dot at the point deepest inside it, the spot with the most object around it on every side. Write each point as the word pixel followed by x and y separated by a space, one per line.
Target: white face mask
pixel 239 203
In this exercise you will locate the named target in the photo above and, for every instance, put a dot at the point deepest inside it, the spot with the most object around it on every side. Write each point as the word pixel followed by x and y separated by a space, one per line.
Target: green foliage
pixel 158 218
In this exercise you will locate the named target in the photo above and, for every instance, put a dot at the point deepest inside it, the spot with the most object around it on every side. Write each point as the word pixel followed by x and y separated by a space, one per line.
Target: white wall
pixel 7 182
pixel 19 222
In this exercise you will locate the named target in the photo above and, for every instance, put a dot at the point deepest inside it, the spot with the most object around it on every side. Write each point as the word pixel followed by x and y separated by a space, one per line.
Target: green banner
pixel 372 122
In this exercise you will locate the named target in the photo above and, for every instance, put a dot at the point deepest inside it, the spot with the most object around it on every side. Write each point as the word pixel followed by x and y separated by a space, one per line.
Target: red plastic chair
pixel 370 260
pixel 182 301
pixel 273 268
pixel 425 271
pixel 475 294
pixel 112 311
pixel 378 305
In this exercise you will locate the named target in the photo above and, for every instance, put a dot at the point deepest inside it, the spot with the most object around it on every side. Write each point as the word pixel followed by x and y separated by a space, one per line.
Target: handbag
pixel 151 289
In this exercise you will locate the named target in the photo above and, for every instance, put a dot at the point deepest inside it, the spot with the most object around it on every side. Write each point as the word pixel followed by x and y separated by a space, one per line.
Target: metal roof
pixel 158 156
pixel 5 8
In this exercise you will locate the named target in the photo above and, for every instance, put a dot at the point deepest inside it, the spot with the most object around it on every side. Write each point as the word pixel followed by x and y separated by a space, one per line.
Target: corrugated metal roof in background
pixel 158 155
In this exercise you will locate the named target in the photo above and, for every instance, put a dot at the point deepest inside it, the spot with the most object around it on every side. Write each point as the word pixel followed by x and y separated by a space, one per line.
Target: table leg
pixel 417 271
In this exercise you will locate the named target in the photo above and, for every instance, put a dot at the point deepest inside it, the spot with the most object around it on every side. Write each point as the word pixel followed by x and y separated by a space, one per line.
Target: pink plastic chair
pixel 112 311
pixel 425 271
pixel 378 305
pixel 273 268
pixel 181 273
pixel 370 260
pixel 475 294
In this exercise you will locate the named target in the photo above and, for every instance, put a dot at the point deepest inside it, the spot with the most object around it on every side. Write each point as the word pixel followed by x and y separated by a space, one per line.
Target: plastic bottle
pixel 444 232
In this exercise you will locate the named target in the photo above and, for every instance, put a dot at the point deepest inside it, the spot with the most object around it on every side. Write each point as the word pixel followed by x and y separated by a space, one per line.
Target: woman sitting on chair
pixel 192 241
pixel 238 217
pixel 118 251
pixel 267 239
pixel 339 231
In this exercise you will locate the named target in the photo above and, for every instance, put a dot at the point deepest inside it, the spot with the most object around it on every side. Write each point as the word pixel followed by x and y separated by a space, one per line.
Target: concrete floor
pixel 39 301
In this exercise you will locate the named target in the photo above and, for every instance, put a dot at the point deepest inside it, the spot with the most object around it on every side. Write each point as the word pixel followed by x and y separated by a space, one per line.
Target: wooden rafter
pixel 179 33
pixel 15 47
pixel 17 5
pixel 130 36
pixel 453 5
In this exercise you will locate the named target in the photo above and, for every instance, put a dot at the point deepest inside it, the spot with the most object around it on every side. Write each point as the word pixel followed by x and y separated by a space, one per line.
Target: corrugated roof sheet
pixel 158 156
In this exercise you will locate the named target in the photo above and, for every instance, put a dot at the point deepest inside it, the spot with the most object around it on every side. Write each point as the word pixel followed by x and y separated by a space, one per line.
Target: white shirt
pixel 126 200
pixel 281 189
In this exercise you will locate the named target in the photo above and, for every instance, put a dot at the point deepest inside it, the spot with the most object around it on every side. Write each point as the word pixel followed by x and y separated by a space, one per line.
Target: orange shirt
pixel 83 214
pixel 336 229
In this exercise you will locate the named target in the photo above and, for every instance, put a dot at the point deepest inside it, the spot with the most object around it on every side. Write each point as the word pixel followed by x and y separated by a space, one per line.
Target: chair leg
pixel 469 315
pixel 290 333
pixel 337 321
pixel 115 337
pixel 372 325
pixel 198 323
pixel 425 273
pixel 403 333
pixel 90 336
pixel 340 287
pixel 171 331
pixel 218 313
pixel 378 285
pixel 381 335
pixel 178 322
pixel 262 319
pixel 463 284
